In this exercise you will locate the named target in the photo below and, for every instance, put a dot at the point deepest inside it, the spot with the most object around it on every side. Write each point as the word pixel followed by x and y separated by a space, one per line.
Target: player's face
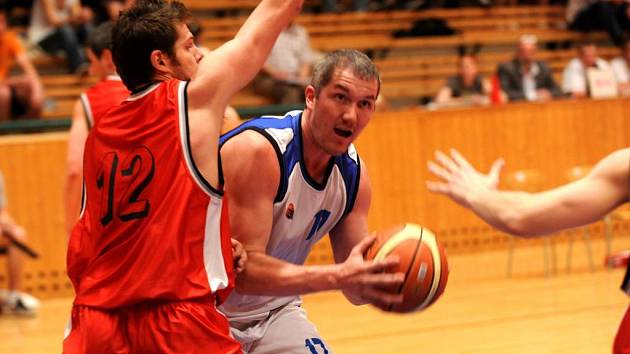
pixel 96 66
pixel 187 54
pixel 341 110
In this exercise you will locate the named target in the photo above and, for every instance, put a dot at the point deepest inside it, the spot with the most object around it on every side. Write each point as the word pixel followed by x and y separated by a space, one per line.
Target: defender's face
pixel 341 110
pixel 187 54
pixel 96 66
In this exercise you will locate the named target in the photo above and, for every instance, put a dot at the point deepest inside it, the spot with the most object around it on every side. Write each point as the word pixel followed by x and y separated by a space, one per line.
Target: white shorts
pixel 283 330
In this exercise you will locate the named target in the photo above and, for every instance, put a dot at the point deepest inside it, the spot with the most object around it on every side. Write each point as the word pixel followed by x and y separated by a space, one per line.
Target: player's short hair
pixel 360 64
pixel 149 25
pixel 100 38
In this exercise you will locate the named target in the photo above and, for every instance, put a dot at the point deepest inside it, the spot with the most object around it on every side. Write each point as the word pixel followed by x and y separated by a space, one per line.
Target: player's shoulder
pixel 615 165
pixel 250 146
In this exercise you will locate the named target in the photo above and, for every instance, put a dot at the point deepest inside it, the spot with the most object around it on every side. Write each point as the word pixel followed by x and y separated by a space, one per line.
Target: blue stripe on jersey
pixel 348 166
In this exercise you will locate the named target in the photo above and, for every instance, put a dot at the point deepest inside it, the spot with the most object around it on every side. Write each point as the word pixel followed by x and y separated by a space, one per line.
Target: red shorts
pixel 178 327
pixel 622 340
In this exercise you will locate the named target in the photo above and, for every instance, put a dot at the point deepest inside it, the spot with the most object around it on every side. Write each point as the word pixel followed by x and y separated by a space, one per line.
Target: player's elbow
pixel 74 171
pixel 517 223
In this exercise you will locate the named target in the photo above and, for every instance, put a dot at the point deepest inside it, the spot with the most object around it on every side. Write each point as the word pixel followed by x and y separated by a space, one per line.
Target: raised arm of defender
pixel 225 71
pixel 530 214
pixel 229 68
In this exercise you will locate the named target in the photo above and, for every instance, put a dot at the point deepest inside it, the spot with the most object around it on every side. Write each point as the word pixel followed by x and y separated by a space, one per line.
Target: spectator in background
pixel 621 68
pixel 105 10
pixel 357 5
pixel 20 95
pixel 525 78
pixel 61 25
pixel 468 87
pixel 574 80
pixel 287 71
pixel 605 15
pixel 13 300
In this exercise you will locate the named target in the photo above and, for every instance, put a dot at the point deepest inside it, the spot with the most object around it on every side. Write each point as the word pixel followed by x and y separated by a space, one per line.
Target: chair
pixel 622 214
pixel 572 174
pixel 528 180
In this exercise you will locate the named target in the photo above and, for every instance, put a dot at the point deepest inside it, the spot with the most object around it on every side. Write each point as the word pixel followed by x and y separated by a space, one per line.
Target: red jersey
pixel 152 228
pixel 104 95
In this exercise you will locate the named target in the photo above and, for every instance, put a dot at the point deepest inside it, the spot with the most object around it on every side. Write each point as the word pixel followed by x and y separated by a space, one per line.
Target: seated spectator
pixel 468 87
pixel 61 25
pixel 13 300
pixel 20 95
pixel 594 15
pixel 115 7
pixel 525 78
pixel 288 68
pixel 574 80
pixel 621 68
pixel 100 11
pixel 331 5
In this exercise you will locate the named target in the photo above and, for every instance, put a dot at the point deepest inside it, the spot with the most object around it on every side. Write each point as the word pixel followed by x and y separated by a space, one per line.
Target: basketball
pixel 422 260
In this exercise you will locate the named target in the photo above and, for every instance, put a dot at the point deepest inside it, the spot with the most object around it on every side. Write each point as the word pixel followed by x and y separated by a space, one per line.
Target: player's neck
pixel 315 159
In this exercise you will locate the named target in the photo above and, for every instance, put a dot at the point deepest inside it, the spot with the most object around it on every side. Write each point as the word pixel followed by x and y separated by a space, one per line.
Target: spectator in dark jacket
pixel 525 78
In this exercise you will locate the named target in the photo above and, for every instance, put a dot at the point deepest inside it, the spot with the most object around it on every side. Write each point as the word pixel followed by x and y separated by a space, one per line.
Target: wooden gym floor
pixel 481 311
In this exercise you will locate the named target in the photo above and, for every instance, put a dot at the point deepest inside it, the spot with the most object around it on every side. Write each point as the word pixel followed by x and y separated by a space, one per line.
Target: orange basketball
pixel 422 260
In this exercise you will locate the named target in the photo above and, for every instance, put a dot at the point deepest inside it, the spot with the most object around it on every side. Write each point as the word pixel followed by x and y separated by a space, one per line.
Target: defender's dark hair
pixel 149 25
pixel 360 64
pixel 100 38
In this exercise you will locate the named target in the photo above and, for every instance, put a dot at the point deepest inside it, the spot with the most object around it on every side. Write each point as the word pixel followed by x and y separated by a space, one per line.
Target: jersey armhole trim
pixel 282 185
pixel 87 109
pixel 186 146
pixel 352 197
pixel 355 192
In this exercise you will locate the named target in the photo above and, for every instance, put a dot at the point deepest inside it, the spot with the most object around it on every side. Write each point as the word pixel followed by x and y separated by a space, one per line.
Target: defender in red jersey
pixel 150 256
pixel 575 204
pixel 91 105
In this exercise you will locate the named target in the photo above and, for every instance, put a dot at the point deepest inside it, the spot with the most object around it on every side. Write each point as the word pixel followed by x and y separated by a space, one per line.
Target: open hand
pixel 458 178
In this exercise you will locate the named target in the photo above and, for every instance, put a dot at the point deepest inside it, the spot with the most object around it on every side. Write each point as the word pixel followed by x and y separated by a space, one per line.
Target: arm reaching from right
pixel 532 214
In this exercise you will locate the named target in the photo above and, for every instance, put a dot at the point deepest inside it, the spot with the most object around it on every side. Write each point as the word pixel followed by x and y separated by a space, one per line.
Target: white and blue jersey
pixel 304 210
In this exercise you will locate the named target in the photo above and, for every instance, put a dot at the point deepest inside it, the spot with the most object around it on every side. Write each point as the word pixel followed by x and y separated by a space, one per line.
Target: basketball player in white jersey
pixel 290 181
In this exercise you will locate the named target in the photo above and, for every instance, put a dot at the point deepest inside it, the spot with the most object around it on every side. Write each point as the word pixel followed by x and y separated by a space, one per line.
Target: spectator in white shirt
pixel 574 81
pixel 288 68
pixel 621 68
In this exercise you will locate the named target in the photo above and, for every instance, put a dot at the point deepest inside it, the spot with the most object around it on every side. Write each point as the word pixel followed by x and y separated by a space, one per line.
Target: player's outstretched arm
pixel 74 166
pixel 225 71
pixel 252 176
pixel 531 214
pixel 229 68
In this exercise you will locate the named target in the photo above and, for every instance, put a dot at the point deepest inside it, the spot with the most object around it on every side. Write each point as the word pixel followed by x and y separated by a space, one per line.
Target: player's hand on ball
pixel 362 281
pixel 240 256
pixel 459 178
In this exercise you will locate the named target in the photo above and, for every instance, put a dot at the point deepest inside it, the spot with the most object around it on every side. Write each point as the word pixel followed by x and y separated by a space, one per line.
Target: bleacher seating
pixel 411 67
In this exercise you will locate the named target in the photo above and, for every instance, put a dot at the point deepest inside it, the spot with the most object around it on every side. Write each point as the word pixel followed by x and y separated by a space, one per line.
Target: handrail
pixel 45 125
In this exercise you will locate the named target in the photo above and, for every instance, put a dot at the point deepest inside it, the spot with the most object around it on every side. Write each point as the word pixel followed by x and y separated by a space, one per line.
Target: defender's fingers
pixel 439 171
pixel 437 187
pixel 446 161
pixel 460 159
pixel 496 167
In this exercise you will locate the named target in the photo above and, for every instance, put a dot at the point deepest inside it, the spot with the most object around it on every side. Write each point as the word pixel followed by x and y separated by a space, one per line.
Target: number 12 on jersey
pixel 135 173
